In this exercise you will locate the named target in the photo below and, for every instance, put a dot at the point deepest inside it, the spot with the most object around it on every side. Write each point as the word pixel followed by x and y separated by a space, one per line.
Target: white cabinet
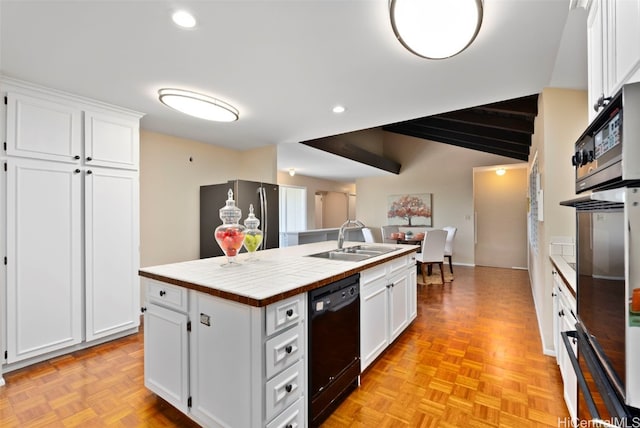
pixel 166 344
pixel 613 33
pixel 44 266
pixel 72 226
pixel 564 306
pixel 387 305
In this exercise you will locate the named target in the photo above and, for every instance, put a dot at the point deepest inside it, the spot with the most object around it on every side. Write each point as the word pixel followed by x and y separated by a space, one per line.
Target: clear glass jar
pixel 230 234
pixel 253 236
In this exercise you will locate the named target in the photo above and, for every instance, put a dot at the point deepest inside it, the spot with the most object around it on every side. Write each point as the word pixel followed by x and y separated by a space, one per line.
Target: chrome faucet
pixel 345 225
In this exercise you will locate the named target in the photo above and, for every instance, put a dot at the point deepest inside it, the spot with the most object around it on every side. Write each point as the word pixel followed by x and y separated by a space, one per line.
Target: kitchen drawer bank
pixel 226 345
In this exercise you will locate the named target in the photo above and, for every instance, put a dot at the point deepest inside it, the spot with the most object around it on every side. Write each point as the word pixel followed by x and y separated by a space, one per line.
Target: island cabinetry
pixel 223 363
pixel 72 228
pixel 387 305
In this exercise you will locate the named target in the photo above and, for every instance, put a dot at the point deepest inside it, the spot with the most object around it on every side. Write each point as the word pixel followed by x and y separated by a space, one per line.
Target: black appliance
pixel 607 153
pixel 266 204
pixel 334 346
pixel 608 329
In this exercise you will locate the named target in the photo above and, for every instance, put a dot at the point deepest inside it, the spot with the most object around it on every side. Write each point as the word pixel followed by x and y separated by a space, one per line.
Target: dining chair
pixel 432 252
pixel 386 234
pixel 368 235
pixel 448 247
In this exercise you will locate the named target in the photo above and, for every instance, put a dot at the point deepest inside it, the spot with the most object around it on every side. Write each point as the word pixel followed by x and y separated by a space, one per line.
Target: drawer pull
pixel 288 349
pixel 288 388
pixel 162 293
pixel 289 425
pixel 289 312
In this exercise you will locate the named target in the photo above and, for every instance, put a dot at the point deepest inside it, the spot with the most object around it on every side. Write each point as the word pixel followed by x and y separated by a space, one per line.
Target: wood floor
pixel 472 358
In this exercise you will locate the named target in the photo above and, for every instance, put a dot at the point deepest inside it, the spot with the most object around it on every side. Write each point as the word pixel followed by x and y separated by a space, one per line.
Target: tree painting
pixel 409 210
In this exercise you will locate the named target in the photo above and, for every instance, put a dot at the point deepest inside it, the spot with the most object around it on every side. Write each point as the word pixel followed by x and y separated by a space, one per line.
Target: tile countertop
pixel 277 273
pixel 566 271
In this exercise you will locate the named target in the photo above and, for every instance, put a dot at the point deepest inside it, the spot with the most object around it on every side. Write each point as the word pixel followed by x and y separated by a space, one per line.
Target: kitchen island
pixel 226 345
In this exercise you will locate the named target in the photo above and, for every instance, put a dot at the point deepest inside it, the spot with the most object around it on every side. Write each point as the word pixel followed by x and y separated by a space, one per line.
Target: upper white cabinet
pixel 613 37
pixel 71 221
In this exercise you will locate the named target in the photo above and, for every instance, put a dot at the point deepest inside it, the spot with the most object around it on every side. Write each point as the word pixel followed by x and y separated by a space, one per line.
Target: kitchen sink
pixel 354 254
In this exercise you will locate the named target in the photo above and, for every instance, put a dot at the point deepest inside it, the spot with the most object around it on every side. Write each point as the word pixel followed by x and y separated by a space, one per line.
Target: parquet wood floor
pixel 472 358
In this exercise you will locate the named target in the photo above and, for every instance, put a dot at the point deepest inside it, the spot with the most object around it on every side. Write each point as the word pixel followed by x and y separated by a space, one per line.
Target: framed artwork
pixel 409 210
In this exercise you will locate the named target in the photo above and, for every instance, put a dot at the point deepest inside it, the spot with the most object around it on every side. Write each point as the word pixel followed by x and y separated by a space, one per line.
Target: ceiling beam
pixel 355 153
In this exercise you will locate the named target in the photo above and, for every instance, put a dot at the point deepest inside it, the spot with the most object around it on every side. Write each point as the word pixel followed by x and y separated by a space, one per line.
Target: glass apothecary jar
pixel 253 236
pixel 230 234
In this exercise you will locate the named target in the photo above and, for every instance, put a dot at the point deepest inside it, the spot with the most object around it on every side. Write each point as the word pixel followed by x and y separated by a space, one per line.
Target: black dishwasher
pixel 334 345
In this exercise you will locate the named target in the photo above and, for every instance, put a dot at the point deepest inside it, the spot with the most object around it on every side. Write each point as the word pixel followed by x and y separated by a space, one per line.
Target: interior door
pixel 500 204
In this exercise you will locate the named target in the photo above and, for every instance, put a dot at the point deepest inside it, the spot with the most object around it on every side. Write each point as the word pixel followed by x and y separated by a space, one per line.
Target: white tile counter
pixel 276 274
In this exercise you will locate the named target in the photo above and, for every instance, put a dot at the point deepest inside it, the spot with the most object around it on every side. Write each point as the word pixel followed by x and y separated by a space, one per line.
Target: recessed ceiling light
pixel 436 29
pixel 183 19
pixel 198 105
pixel 339 109
pixel 501 171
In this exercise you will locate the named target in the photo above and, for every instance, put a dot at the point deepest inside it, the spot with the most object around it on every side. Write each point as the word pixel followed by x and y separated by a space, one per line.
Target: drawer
pixel 285 313
pixel 284 389
pixel 398 265
pixel 167 295
pixel 284 349
pixel 372 274
pixel 293 417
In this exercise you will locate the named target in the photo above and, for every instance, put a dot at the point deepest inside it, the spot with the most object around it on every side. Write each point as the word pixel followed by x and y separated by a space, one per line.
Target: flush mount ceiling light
pixel 436 29
pixel 183 19
pixel 198 105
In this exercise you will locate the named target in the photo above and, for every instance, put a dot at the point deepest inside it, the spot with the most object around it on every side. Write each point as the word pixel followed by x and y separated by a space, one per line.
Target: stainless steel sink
pixel 354 254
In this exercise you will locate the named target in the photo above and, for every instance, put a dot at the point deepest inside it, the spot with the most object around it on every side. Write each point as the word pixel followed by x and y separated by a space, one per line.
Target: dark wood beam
pixel 523 106
pixel 492 121
pixel 355 153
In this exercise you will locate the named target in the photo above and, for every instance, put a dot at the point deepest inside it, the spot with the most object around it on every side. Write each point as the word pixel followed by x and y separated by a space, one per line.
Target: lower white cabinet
pixel 387 305
pixel 223 363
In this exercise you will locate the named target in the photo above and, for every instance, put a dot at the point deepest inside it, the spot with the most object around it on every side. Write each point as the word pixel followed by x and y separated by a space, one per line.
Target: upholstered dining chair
pixel 432 252
pixel 386 233
pixel 368 235
pixel 448 246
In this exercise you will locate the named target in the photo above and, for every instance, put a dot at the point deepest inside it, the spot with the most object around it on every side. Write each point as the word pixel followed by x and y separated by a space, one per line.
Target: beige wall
pixel 171 172
pixel 427 167
pixel 562 117
pixel 314 185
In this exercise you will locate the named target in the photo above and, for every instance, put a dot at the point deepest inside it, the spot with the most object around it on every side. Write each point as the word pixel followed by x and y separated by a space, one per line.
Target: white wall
pixel 443 170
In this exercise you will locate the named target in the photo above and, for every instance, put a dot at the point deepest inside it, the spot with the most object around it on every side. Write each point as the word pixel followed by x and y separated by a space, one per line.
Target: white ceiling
pixel 285 64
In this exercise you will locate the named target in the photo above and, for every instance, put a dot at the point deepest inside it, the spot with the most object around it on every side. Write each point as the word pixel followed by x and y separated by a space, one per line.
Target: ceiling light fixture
pixel 183 19
pixel 436 29
pixel 198 105
pixel 292 171
pixel 339 109
pixel 501 171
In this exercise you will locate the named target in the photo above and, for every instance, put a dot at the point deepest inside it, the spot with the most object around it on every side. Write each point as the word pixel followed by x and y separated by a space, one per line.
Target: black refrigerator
pixel 265 198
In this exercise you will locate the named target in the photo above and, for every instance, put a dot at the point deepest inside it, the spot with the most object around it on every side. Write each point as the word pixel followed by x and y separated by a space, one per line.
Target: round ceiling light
pixel 198 105
pixel 436 29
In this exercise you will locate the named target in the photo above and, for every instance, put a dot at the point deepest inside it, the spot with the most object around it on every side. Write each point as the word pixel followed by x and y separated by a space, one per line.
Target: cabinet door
pixel 44 284
pixel 166 355
pixel 111 140
pixel 111 251
pixel 398 304
pixel 596 55
pixel 43 128
pixel 374 321
pixel 623 32
pixel 412 275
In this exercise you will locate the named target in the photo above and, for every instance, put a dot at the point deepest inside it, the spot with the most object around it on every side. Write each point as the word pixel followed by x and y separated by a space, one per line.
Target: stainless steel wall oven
pixel 608 327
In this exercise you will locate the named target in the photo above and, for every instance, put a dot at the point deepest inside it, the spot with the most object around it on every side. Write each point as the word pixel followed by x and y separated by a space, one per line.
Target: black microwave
pixel 607 154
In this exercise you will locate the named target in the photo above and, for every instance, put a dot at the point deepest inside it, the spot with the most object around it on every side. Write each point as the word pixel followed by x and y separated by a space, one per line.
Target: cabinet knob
pixel 77 171
pixel 289 312
pixel 89 172
pixel 288 388
pixel 143 309
pixel 288 349
pixel 162 293
pixel 89 158
pixel 77 157
pixel 289 426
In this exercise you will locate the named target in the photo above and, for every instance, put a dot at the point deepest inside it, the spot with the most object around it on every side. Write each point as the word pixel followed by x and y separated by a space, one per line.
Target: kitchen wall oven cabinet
pixel 387 305
pixel 613 31
pixel 71 218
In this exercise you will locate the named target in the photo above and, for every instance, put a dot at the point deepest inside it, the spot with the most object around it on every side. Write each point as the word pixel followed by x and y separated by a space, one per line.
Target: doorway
pixel 500 206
